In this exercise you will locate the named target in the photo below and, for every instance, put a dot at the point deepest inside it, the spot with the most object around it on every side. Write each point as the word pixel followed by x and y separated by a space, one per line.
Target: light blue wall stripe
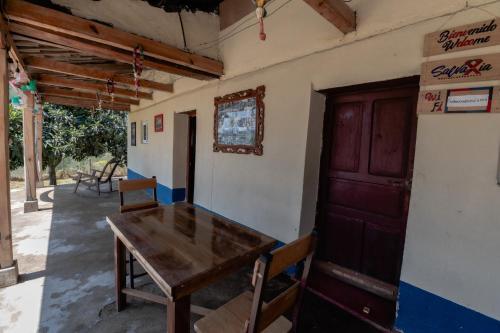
pixel 420 311
pixel 165 194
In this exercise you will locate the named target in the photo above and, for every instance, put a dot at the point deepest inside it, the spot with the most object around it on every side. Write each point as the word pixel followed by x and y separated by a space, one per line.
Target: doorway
pixel 191 162
pixel 365 185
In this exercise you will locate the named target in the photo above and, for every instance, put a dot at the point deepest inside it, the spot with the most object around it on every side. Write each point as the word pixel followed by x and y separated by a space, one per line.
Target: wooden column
pixel 39 147
pixel 31 203
pixel 8 266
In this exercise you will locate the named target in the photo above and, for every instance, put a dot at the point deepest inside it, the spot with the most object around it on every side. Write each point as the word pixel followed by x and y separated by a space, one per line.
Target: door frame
pixel 406 82
pixel 190 183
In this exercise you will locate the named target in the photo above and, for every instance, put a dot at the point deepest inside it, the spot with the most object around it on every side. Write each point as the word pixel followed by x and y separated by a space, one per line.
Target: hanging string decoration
pixel 260 11
pixel 110 86
pixel 138 65
pixel 30 86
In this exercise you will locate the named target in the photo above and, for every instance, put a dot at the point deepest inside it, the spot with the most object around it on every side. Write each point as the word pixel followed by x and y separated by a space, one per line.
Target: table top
pixel 184 248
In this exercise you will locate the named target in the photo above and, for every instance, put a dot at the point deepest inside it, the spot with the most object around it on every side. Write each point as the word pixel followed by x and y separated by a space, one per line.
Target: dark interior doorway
pixel 191 163
pixel 366 172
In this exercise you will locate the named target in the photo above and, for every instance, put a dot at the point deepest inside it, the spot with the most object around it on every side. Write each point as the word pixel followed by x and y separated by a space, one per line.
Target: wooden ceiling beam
pixel 90 73
pixel 14 53
pixel 336 12
pixel 62 92
pixel 22 11
pixel 103 51
pixel 56 81
pixel 84 103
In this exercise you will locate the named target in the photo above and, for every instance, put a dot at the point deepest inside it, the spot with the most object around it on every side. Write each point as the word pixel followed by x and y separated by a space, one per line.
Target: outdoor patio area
pixel 65 256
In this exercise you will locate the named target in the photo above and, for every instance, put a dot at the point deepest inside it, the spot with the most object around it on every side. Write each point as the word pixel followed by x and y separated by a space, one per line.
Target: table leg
pixel 178 315
pixel 121 298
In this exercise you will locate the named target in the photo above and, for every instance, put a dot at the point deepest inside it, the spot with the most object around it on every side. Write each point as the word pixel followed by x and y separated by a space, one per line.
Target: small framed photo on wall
pixel 159 123
pixel 133 133
pixel 144 132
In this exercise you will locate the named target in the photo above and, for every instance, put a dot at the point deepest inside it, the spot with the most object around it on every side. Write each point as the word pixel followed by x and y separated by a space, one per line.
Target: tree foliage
pixel 73 132
pixel 15 137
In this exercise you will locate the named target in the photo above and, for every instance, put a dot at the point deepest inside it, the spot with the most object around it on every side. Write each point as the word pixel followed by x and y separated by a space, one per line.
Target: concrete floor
pixel 65 255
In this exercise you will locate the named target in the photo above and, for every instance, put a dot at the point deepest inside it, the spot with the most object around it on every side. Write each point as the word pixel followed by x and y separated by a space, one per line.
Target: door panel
pixel 380 253
pixel 373 198
pixel 367 162
pixel 345 246
pixel 391 120
pixel 347 136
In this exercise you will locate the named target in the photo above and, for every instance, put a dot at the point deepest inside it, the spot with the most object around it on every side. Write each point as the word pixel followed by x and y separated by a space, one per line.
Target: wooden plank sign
pixel 459 70
pixel 465 37
pixel 466 100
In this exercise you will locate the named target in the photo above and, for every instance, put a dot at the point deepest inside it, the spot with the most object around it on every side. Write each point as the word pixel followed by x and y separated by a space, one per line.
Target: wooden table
pixel 183 249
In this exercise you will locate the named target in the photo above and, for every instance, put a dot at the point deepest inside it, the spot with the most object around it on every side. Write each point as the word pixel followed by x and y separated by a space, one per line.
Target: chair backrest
pixel 137 185
pixel 112 164
pixel 269 266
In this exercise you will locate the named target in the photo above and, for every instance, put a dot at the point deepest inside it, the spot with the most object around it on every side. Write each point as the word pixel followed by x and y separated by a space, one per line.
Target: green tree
pixel 15 137
pixel 72 132
pixel 81 133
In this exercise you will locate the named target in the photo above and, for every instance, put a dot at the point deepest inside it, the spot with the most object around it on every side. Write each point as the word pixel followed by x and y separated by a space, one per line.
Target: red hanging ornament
pixel 110 86
pixel 138 65
pixel 261 13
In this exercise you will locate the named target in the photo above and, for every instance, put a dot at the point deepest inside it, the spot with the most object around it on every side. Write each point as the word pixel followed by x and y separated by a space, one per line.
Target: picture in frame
pixel 144 132
pixel 239 122
pixel 133 133
pixel 159 123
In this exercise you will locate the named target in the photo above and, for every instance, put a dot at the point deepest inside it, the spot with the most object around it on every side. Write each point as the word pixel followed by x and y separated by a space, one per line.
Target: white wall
pixel 452 244
pixel 269 192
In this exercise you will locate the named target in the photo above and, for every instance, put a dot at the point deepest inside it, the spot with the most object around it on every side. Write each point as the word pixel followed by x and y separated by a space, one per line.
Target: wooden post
pixel 8 266
pixel 39 142
pixel 31 203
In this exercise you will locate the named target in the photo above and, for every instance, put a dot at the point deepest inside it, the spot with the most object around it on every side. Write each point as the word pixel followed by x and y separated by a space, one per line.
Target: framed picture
pixel 133 133
pixel 239 122
pixel 144 132
pixel 159 123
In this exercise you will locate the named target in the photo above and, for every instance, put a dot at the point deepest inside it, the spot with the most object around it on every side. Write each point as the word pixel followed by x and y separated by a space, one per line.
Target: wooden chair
pixel 247 312
pixel 125 186
pixel 137 185
pixel 98 177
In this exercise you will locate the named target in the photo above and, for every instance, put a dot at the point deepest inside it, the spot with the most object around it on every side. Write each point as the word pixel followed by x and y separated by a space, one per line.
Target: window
pixel 145 132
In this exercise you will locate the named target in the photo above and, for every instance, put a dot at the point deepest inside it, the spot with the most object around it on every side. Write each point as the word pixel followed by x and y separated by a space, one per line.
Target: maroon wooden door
pixel 366 179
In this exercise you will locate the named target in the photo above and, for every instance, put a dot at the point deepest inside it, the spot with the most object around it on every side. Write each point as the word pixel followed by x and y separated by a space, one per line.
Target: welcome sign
pixel 466 100
pixel 465 37
pixel 458 70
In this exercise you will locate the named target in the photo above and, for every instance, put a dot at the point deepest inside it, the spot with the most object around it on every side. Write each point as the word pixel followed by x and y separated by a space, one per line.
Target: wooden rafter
pixel 90 73
pixel 336 12
pixel 14 53
pixel 101 50
pixel 84 103
pixel 52 91
pixel 50 80
pixel 53 20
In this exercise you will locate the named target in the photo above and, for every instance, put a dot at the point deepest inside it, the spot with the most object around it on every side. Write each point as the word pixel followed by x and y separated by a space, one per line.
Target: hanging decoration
pixel 20 78
pixel 138 65
pixel 30 86
pixel 260 11
pixel 16 101
pixel 110 86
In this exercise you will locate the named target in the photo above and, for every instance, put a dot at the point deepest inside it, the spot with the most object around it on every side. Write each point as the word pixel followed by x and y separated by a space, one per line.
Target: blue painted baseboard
pixel 423 312
pixel 165 194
